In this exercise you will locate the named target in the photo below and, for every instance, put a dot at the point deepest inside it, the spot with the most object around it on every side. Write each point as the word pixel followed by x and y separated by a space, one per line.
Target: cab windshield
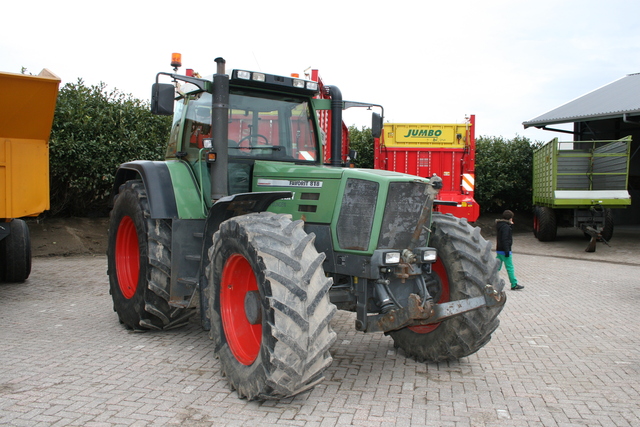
pixel 266 127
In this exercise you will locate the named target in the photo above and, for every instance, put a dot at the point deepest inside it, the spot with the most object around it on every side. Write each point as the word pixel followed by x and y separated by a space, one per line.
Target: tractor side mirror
pixel 162 97
pixel 376 125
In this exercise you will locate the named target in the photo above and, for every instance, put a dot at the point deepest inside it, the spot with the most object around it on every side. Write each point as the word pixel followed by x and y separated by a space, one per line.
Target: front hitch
pixel 416 313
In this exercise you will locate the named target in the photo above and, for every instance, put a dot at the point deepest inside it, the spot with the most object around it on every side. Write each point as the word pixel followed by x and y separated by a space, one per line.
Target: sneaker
pixel 516 287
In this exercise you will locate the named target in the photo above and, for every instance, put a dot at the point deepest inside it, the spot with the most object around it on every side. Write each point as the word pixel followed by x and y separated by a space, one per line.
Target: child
pixel 503 247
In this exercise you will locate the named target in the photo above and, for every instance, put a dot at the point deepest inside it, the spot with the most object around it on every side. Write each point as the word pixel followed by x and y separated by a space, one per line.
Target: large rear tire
pixel 544 221
pixel 15 253
pixel 465 265
pixel 139 263
pixel 269 306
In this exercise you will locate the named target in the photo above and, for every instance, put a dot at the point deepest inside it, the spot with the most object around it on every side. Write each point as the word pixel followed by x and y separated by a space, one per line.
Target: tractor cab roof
pixel 253 79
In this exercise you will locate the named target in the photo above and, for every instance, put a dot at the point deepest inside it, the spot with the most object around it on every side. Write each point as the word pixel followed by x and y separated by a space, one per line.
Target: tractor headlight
pixel 248 75
pixel 391 258
pixel 426 254
pixel 245 75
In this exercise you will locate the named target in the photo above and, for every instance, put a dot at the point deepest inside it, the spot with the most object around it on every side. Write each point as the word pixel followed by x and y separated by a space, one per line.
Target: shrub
pixel 93 132
pixel 361 140
pixel 504 173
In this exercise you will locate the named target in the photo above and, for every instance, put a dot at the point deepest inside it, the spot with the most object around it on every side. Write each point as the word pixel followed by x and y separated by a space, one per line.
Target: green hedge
pixel 361 140
pixel 94 131
pixel 504 173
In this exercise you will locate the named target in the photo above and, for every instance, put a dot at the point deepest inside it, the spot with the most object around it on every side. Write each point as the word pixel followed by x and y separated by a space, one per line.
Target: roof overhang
pixel 617 100
pixel 560 120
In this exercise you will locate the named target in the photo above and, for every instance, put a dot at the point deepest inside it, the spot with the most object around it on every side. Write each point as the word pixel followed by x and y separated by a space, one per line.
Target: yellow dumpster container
pixel 27 106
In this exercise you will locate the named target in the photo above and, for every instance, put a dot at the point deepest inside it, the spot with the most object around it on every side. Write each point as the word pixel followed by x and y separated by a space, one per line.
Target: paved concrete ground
pixel 567 353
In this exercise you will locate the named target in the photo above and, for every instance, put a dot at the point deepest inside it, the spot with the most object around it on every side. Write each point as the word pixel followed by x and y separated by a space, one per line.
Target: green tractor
pixel 245 222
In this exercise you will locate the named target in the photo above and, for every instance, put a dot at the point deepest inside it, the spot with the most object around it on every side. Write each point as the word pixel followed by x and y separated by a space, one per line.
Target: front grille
pixel 401 213
pixel 356 214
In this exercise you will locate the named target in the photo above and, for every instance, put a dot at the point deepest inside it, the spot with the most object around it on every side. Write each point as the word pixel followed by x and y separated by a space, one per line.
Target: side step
pixel 186 250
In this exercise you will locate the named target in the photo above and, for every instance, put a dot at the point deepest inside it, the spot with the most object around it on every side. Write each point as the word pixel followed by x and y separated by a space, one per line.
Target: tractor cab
pixel 275 128
pixel 261 125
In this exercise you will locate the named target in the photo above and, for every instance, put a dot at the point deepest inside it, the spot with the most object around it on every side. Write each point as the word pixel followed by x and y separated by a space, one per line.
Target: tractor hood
pixel 360 204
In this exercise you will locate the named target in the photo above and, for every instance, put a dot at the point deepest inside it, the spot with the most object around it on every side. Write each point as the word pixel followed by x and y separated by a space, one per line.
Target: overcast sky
pixel 425 61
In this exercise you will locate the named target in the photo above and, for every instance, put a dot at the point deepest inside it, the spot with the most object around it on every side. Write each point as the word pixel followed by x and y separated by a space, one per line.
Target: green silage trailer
pixel 577 184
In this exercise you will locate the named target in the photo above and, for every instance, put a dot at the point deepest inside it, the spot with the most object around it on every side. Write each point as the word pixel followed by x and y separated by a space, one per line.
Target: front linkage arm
pixel 418 314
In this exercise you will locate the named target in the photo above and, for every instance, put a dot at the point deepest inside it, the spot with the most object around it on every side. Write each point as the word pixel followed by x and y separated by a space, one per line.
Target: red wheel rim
pixel 438 268
pixel 127 257
pixel 244 339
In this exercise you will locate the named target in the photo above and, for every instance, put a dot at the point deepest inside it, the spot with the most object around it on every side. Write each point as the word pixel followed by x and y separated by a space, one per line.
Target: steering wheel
pixel 246 138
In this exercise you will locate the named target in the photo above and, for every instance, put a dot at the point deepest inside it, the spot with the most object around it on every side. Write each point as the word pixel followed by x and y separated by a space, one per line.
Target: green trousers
pixel 508 264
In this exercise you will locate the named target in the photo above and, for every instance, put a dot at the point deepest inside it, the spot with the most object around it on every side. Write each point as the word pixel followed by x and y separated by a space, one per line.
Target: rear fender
pixel 157 181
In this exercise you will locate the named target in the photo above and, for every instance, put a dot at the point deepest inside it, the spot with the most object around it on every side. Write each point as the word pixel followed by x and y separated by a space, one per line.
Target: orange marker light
pixel 176 60
pixel 295 75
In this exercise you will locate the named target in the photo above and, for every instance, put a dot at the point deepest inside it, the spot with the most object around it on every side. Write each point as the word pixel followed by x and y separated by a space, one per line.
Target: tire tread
pixel 470 265
pixel 298 303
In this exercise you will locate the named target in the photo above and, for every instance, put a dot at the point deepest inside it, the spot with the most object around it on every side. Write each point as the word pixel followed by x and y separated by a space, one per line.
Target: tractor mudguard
pixel 241 204
pixel 157 181
pixel 222 210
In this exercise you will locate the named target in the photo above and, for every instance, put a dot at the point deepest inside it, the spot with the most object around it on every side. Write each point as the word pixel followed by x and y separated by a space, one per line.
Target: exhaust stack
pixel 220 132
pixel 336 125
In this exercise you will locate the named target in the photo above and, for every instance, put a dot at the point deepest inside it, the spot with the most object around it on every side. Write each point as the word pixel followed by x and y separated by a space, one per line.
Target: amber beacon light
pixel 176 61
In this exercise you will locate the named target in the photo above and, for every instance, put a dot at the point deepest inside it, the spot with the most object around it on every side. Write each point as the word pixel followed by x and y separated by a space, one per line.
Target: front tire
pixel 269 306
pixel 139 263
pixel 465 265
